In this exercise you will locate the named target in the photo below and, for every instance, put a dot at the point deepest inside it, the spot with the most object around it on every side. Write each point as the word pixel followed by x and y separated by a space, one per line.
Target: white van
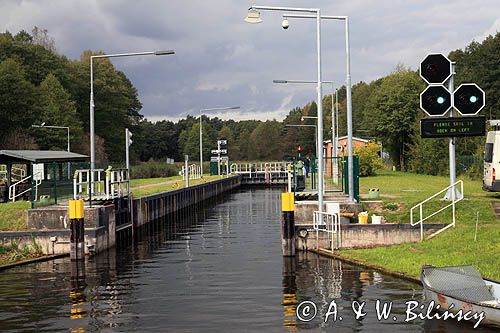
pixel 491 175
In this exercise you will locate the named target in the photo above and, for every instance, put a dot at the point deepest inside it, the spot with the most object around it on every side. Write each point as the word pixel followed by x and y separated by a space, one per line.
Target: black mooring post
pixel 77 225
pixel 288 224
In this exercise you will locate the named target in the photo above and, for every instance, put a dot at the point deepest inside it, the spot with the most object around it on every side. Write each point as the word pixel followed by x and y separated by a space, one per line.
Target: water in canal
pixel 217 270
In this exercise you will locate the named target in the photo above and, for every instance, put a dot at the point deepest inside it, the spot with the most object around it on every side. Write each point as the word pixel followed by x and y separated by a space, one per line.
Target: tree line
pixel 39 85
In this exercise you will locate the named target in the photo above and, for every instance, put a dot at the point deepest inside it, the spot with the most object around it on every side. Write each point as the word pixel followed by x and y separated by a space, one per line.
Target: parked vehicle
pixel 492 158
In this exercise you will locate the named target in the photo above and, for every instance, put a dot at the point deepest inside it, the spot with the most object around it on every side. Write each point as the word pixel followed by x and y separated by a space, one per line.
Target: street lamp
pixel 92 125
pixel 42 125
pixel 350 164
pixel 253 16
pixel 201 136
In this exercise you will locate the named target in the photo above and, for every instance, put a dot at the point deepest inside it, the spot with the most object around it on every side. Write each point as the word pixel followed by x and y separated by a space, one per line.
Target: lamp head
pixel 166 52
pixel 253 16
pixel 42 124
pixel 285 24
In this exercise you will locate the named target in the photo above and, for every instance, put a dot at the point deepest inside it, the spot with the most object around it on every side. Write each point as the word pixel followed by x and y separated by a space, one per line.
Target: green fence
pixel 56 184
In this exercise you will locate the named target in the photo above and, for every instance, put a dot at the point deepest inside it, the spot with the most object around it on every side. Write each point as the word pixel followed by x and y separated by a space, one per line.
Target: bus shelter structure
pixel 41 176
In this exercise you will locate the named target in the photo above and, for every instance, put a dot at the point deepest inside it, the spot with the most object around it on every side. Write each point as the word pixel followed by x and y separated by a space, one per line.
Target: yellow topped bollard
pixel 76 209
pixel 77 225
pixel 288 224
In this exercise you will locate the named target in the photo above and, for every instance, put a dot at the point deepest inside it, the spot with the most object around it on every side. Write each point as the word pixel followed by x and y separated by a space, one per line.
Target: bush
pixel 153 169
pixel 369 159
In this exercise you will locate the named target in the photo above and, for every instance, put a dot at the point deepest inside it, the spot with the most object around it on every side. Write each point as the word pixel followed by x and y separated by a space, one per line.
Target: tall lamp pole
pixel 201 132
pixel 350 163
pixel 92 122
pixel 253 16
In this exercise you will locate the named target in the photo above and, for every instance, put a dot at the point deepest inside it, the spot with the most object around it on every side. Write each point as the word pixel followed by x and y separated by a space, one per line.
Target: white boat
pixel 466 289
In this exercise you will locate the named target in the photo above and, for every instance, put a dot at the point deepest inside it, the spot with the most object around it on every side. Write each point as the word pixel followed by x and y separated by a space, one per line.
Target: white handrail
pixel 21 172
pixel 331 224
pixel 454 200
pixel 194 172
pixel 263 167
pixel 12 188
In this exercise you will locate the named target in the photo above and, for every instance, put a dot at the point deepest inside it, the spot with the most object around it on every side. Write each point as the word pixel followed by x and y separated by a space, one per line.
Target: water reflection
pixel 217 268
pixel 289 294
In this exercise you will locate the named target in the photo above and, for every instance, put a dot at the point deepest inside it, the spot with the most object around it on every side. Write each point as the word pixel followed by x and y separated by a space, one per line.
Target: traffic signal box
pixel 469 99
pixel 436 101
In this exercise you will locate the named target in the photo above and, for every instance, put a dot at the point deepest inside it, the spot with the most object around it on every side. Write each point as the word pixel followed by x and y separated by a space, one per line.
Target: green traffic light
pixel 473 99
pixel 440 100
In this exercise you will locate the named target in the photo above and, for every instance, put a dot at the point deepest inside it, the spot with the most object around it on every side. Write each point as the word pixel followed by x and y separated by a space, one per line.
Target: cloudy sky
pixel 222 61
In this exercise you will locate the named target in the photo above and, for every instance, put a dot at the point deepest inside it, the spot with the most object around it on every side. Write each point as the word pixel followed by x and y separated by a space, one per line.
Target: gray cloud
pixel 222 61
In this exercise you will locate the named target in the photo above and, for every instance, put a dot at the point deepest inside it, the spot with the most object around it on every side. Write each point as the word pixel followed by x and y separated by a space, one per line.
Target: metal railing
pixel 329 223
pixel 12 188
pixel 454 199
pixel 108 184
pixel 18 173
pixel 117 183
pixel 82 184
pixel 261 167
pixel 194 172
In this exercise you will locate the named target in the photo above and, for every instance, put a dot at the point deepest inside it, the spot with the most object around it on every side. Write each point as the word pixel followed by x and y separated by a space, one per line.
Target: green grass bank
pixel 456 246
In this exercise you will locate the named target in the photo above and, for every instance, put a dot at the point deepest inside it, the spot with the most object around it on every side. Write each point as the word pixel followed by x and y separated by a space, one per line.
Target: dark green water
pixel 217 270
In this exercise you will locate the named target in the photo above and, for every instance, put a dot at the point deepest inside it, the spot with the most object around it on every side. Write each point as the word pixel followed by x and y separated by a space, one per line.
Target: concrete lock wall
pixel 50 226
pixel 362 236
pixel 149 208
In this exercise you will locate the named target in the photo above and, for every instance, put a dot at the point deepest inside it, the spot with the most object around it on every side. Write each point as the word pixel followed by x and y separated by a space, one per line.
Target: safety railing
pixel 16 173
pixel 13 188
pixel 261 167
pixel 82 180
pixel 454 199
pixel 194 172
pixel 117 183
pixel 329 223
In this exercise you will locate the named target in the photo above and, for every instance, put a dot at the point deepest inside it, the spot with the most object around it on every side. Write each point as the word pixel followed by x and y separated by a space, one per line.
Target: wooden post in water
pixel 288 224
pixel 76 217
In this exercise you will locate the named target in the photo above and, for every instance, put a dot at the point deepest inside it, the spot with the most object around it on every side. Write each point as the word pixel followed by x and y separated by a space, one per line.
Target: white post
pixel 127 156
pixel 218 157
pixel 320 115
pixel 92 134
pixel 452 192
pixel 350 162
pixel 201 147
pixel 186 170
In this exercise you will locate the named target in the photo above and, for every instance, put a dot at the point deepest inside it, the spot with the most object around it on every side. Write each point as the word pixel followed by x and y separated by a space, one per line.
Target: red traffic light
pixel 469 99
pixel 299 149
pixel 435 68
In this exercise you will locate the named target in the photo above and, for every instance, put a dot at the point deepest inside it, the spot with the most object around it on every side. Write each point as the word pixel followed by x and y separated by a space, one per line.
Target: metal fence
pixel 55 185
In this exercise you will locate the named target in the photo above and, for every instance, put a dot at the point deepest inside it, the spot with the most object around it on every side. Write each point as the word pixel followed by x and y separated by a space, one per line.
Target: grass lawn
pixel 12 215
pixel 173 184
pixel 456 246
pixel 149 181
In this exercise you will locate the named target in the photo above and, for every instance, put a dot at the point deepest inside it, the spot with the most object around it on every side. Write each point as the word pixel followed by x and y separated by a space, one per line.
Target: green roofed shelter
pixel 38 174
pixel 39 156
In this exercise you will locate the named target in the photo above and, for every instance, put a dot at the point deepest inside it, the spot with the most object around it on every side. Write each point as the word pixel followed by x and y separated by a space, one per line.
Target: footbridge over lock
pixel 262 172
